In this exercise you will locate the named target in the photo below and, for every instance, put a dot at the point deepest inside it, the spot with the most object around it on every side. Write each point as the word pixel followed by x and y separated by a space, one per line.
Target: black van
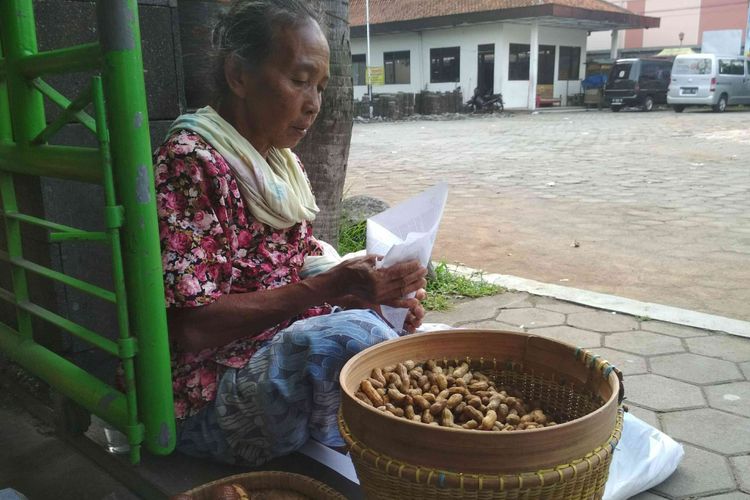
pixel 638 82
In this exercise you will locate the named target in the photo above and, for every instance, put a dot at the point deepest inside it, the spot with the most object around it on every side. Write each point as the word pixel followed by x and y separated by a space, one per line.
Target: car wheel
pixel 615 108
pixel 648 103
pixel 721 106
pixel 678 109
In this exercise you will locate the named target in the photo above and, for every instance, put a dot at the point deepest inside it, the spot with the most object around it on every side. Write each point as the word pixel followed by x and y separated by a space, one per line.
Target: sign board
pixel 725 42
pixel 375 75
pixel 747 34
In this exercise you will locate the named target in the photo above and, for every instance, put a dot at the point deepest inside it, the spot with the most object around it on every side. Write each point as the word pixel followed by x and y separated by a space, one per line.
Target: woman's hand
pixel 387 286
pixel 416 312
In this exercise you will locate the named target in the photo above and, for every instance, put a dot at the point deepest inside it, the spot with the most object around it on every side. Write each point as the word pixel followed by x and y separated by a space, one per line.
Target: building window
pixel 359 69
pixel 546 65
pixel 445 64
pixel 397 67
pixel 570 63
pixel 518 61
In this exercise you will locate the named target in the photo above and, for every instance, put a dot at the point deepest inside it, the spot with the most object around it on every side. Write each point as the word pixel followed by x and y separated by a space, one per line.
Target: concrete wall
pixel 468 38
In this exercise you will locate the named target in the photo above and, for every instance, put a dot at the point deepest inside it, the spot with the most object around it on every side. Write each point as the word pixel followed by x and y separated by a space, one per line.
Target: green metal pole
pixel 114 223
pixel 131 158
pixel 26 109
pixel 70 380
pixel 6 130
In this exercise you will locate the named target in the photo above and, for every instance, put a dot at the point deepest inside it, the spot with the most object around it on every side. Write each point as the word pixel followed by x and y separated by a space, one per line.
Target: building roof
pixel 389 16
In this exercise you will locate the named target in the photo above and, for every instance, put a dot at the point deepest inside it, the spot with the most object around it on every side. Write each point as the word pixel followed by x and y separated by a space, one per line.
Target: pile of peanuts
pixel 450 396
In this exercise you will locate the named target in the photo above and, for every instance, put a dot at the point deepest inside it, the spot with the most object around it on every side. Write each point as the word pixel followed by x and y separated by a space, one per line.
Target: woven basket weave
pixel 274 485
pixel 559 470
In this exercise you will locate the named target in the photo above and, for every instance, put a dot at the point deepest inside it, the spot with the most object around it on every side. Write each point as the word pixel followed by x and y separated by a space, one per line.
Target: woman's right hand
pixel 384 286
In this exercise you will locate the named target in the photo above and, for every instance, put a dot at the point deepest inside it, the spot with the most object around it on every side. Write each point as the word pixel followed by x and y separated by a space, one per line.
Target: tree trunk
pixel 325 149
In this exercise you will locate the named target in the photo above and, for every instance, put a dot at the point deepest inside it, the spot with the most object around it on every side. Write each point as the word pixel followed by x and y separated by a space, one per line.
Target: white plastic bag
pixel 644 457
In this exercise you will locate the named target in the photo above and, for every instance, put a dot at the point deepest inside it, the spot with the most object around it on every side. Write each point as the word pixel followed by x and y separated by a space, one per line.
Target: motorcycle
pixel 488 103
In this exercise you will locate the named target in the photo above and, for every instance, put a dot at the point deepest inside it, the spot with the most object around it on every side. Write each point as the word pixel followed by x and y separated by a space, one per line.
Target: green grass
pixel 448 285
pixel 445 288
pixel 352 237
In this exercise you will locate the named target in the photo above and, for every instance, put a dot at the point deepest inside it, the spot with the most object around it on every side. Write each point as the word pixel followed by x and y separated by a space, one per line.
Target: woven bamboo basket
pixel 269 485
pixel 397 458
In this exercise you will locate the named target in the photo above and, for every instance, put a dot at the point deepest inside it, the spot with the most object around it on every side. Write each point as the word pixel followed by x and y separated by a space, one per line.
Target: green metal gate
pixel 122 164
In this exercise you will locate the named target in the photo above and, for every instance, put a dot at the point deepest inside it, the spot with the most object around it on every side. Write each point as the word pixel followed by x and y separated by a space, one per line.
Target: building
pixel 683 23
pixel 522 48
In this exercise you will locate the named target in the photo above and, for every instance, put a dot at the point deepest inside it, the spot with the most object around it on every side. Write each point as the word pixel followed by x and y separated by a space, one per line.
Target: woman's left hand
pixel 413 318
pixel 416 311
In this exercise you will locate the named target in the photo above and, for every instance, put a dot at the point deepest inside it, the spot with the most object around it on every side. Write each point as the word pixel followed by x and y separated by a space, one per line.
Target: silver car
pixel 709 80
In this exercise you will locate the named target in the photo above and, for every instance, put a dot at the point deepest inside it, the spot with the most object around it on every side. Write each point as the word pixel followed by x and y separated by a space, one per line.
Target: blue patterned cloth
pixel 286 394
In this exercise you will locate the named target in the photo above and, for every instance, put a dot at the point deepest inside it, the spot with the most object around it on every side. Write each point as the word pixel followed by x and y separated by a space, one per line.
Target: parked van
pixel 638 82
pixel 709 80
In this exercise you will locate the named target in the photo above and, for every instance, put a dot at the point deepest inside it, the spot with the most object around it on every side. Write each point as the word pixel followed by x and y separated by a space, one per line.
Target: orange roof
pixel 397 11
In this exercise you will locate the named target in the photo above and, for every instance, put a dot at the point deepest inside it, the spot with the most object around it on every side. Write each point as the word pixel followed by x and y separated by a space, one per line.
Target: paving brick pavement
pixel 659 202
pixel 692 384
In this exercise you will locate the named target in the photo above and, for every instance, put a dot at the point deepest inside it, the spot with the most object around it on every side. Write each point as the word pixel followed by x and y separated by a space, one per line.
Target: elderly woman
pixel 256 349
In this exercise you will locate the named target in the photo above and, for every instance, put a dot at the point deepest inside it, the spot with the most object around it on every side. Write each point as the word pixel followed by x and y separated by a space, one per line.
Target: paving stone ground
pixel 658 202
pixel 692 384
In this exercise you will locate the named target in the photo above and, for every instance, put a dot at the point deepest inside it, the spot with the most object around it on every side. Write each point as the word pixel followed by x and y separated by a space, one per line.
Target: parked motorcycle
pixel 488 103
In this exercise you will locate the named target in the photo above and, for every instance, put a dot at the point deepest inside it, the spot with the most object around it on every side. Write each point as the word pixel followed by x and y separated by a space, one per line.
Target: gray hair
pixel 248 29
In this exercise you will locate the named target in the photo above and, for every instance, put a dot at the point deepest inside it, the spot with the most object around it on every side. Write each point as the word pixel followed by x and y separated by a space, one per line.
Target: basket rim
pixel 586 357
pixel 443 478
pixel 294 480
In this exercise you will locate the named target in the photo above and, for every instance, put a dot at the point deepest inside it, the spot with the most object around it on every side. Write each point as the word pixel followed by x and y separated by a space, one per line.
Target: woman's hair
pixel 248 29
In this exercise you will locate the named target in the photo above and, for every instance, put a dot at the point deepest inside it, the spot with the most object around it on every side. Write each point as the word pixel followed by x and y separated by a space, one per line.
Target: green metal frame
pixel 122 164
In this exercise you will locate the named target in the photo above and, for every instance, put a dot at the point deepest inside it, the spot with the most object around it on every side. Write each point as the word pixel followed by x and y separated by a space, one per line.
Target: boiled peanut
pixel 438 406
pixel 471 424
pixel 396 396
pixel 377 384
pixel 454 400
pixel 361 396
pixel 399 412
pixel 489 420
pixel 447 420
pixel 371 393
pixel 461 370
pixel 441 382
pixel 421 403
pixel 377 374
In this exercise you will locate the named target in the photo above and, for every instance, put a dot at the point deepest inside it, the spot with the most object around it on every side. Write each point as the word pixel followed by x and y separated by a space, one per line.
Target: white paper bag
pixel 644 457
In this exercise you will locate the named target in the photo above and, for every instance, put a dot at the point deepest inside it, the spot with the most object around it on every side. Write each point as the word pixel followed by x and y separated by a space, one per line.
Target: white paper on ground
pixel 406 232
pixel 644 457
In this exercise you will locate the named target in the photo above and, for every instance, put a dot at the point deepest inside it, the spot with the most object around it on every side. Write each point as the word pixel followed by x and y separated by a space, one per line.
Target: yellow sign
pixel 375 75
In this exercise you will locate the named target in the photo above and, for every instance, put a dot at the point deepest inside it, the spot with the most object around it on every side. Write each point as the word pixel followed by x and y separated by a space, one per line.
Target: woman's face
pixel 282 98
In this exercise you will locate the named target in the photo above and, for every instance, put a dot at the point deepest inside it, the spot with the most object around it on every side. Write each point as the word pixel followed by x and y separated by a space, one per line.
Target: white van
pixel 709 80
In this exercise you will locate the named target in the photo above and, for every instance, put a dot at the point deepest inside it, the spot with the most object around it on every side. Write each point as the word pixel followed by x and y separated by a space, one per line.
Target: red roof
pixel 390 11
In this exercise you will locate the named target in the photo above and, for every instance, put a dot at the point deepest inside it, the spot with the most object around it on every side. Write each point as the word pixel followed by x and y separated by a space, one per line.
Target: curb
pixel 614 303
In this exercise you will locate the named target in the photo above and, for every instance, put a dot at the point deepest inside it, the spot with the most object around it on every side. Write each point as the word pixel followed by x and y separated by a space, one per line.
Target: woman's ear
pixel 235 75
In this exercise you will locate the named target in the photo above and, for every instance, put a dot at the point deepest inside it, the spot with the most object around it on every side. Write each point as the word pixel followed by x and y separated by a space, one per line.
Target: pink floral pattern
pixel 212 246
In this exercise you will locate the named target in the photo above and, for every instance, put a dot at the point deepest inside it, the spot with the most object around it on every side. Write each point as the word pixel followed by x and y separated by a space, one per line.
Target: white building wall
pixel 515 93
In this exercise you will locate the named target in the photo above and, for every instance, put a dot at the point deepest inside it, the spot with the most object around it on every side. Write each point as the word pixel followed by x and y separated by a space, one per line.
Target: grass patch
pixel 442 290
pixel 352 237
pixel 447 285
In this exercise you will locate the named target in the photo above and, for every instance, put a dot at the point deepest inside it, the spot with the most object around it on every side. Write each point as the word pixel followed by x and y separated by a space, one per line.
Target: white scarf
pixel 276 191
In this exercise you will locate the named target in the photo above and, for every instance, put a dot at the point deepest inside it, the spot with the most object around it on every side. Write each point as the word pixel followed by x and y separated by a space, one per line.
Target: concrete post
pixel 615 44
pixel 533 65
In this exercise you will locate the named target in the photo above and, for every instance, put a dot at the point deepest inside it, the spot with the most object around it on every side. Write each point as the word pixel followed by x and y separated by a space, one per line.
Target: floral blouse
pixel 212 246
